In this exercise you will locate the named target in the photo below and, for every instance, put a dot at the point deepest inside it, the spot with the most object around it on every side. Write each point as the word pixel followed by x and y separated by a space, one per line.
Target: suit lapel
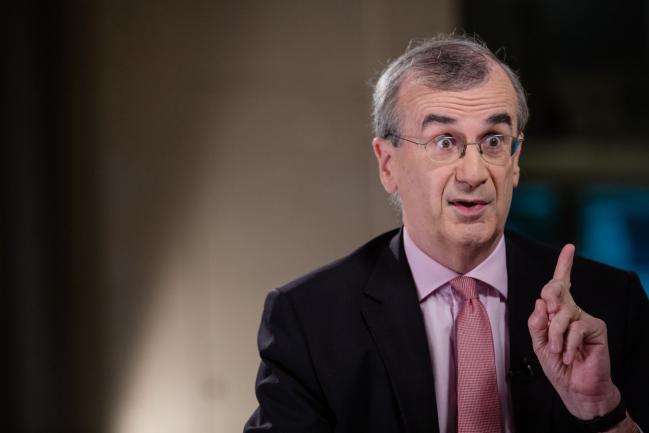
pixel 532 394
pixel 392 313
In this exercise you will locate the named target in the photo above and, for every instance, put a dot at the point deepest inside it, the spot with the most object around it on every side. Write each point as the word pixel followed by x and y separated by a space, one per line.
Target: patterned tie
pixel 478 404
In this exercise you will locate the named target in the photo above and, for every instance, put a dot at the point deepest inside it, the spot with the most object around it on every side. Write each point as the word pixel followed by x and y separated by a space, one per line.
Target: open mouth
pixel 467 203
pixel 467 208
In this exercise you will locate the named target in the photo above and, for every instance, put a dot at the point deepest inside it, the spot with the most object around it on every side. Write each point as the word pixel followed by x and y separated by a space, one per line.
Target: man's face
pixel 464 204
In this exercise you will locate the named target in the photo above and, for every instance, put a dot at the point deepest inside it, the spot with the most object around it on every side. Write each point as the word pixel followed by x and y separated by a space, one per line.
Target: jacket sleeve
pixel 289 394
pixel 635 382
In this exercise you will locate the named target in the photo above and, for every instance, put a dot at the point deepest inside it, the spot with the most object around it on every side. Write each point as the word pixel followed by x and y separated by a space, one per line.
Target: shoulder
pixel 344 277
pixel 600 286
pixel 539 253
pixel 325 304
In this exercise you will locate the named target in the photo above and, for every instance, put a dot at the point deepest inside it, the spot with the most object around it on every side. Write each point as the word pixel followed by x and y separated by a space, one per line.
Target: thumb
pixel 538 325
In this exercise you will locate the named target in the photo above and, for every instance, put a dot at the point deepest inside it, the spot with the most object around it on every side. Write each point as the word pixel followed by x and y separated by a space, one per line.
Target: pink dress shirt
pixel 440 307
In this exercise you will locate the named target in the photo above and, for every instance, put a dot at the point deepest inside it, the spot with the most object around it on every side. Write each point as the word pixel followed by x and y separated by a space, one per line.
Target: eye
pixel 494 141
pixel 444 142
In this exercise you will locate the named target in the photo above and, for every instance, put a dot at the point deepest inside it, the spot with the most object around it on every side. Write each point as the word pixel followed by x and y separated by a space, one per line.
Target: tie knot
pixel 467 287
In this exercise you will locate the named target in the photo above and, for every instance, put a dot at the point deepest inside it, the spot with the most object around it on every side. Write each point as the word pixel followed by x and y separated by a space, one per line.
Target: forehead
pixel 494 95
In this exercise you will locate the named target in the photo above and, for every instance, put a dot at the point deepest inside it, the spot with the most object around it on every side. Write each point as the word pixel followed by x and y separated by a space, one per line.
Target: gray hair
pixel 444 62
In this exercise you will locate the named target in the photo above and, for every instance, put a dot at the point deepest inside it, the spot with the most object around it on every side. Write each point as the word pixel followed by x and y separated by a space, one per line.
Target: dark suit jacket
pixel 344 349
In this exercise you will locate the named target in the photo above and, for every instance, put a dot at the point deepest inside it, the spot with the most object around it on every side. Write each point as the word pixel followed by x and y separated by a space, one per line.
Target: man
pixel 450 324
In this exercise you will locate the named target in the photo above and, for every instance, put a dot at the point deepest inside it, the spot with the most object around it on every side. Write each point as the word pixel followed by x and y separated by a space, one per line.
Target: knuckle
pixel 531 321
pixel 577 330
pixel 551 291
pixel 535 322
pixel 556 328
pixel 560 323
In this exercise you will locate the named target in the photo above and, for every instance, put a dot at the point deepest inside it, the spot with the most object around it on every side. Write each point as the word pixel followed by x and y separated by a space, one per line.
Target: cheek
pixel 421 185
pixel 504 192
pixel 422 190
pixel 437 184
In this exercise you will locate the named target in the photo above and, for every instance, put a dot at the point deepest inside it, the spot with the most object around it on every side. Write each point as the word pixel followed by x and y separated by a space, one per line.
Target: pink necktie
pixel 478 404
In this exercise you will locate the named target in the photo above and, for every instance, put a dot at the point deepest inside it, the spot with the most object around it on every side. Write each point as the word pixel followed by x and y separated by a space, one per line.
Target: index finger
pixel 564 263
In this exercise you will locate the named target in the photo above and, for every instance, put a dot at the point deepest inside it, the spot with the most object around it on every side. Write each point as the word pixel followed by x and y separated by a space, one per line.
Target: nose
pixel 470 169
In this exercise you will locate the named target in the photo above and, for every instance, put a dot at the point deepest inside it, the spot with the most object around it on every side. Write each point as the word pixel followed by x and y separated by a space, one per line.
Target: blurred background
pixel 167 163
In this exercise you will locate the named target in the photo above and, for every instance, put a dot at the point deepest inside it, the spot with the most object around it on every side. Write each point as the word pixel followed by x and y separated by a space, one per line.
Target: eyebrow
pixel 499 118
pixel 436 118
pixel 445 120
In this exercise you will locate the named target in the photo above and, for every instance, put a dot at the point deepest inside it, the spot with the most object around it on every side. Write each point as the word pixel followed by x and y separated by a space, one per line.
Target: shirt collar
pixel 430 275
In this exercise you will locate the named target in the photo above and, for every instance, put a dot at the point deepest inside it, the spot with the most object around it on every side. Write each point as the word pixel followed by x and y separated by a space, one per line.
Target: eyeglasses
pixel 494 148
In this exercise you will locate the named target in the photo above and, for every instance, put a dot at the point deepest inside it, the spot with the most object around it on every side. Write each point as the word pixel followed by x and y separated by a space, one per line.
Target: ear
pixel 517 168
pixel 384 152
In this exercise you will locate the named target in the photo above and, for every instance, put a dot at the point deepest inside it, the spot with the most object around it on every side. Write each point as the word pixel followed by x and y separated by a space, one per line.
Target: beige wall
pixel 233 154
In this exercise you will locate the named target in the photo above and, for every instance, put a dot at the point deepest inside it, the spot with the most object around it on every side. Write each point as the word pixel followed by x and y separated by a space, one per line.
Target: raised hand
pixel 572 346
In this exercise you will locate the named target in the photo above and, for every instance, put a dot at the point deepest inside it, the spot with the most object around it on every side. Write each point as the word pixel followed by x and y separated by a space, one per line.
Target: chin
pixel 475 235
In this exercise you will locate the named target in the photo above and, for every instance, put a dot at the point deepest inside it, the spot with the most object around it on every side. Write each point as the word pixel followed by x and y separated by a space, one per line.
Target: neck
pixel 460 257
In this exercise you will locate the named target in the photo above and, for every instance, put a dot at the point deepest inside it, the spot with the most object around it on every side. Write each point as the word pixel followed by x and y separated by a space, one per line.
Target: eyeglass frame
pixel 516 142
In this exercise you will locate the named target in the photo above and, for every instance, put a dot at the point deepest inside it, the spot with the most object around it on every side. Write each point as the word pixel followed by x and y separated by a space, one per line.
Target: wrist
pixel 615 421
pixel 590 408
pixel 626 426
